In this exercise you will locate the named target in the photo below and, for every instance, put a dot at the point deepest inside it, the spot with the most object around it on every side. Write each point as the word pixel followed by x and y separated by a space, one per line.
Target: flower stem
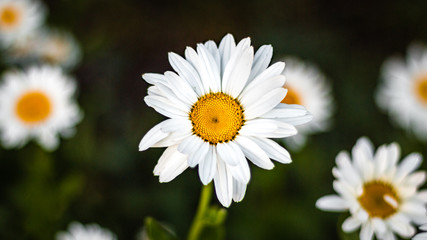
pixel 198 223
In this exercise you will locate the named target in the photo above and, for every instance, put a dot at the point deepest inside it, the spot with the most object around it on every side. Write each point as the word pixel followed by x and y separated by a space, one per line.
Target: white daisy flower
pixel 39 104
pixel 19 19
pixel 403 90
pixel 77 231
pixel 307 86
pixel 381 195
pixel 423 235
pixel 57 48
pixel 224 105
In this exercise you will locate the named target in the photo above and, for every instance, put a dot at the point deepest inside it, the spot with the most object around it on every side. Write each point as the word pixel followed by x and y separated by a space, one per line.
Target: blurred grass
pixel 99 175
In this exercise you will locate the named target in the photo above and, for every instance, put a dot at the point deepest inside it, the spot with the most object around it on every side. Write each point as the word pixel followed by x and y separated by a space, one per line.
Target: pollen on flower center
pixel 421 89
pixel 292 97
pixel 9 17
pixel 379 199
pixel 217 118
pixel 33 107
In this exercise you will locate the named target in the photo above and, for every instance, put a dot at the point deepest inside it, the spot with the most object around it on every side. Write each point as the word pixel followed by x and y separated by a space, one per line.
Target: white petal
pixel 175 124
pixel 165 91
pixel 380 160
pixel 223 184
pixel 237 71
pixel 350 224
pixel 254 153
pixel 273 149
pixel 152 136
pixel 265 103
pixel 362 154
pixel 192 56
pixel 171 164
pixel 173 138
pixel 254 92
pixel 226 49
pixel 229 152
pixel 401 225
pixel 164 107
pixel 346 167
pixel 241 171
pixel 273 70
pixel 153 78
pixel 189 144
pixel 187 72
pixel 366 232
pixel 332 203
pixel 408 164
pixel 208 70
pixel 197 156
pixel 213 50
pixel 379 226
pixel 261 60
pixel 267 128
pixel 207 166
pixel 239 190
pixel 420 236
pixel 181 88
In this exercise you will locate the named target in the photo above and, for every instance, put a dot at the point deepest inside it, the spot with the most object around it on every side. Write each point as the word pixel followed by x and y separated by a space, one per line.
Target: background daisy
pixel 19 19
pixel 402 91
pixel 308 87
pixel 381 194
pixel 78 231
pixel 37 104
pixel 57 47
pixel 224 105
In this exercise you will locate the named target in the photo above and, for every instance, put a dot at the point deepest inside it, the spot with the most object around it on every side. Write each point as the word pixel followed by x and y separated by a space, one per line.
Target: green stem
pixel 198 223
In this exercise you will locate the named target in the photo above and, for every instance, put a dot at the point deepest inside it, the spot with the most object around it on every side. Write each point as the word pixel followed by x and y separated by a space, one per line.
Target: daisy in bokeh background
pixel 402 92
pixel 78 231
pixel 19 19
pixel 307 86
pixel 37 104
pixel 381 194
pixel 223 104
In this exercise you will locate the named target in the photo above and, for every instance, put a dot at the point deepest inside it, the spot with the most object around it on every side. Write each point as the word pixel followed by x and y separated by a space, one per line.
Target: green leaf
pixel 153 230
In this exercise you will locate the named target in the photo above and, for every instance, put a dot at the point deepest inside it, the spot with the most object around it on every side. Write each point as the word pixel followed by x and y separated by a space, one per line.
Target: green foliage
pixel 153 230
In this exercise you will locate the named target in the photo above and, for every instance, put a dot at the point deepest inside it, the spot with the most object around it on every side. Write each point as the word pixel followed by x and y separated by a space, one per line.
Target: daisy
pixel 77 231
pixel 19 19
pixel 307 86
pixel 223 105
pixel 37 104
pixel 57 48
pixel 381 195
pixel 403 90
pixel 423 235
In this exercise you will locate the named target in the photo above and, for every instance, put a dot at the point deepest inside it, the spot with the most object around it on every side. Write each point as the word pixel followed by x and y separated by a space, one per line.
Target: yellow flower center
pixel 217 118
pixel 33 107
pixel 9 16
pixel 292 97
pixel 421 88
pixel 379 199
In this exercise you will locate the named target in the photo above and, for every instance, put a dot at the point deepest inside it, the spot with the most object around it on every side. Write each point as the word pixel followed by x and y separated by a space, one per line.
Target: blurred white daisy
pixel 224 105
pixel 19 19
pixel 57 47
pixel 422 235
pixel 403 90
pixel 307 86
pixel 381 195
pixel 77 231
pixel 39 104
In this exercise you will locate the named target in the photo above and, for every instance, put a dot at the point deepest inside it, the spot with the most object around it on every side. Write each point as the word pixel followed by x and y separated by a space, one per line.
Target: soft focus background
pixel 99 175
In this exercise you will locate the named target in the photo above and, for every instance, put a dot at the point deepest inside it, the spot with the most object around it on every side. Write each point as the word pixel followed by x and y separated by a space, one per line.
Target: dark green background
pixel 99 175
